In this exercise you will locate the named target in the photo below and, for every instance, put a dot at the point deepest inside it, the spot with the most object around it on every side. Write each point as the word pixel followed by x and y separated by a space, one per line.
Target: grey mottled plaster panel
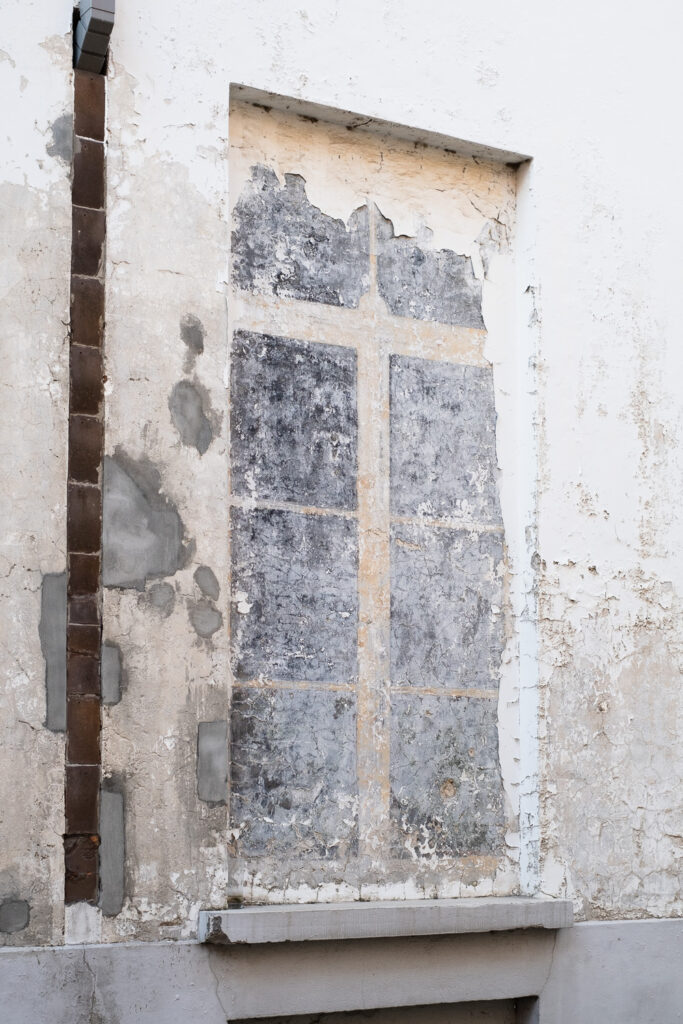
pixel 112 852
pixel 212 761
pixel 447 625
pixel 443 440
pixel 294 609
pixel 283 245
pixel 426 284
pixel 52 633
pixel 446 790
pixel 294 423
pixel 293 772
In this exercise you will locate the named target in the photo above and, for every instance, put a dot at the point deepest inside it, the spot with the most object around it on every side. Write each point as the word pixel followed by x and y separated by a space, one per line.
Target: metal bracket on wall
pixel 91 34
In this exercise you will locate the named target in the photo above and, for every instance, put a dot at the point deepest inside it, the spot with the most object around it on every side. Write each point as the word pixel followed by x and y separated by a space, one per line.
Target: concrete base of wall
pixel 597 973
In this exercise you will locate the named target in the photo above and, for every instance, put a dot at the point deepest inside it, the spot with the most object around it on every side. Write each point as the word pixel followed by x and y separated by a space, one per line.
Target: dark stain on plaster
pixel 293 772
pixel 61 131
pixel 111 672
pixel 212 762
pixel 205 619
pixel 294 604
pixel 443 440
pixel 142 533
pixel 205 578
pixel 161 597
pixel 112 849
pixel 446 788
pixel 192 334
pixel 52 633
pixel 426 284
pixel 447 625
pixel 283 245
pixel 294 421
pixel 188 406
pixel 14 915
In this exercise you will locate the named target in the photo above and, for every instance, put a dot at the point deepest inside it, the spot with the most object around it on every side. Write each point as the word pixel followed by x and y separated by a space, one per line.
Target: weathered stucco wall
pixel 587 438
pixel 35 205
pixel 594 326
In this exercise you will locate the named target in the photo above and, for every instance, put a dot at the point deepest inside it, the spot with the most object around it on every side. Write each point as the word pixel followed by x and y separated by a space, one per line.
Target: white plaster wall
pixel 35 255
pixel 588 93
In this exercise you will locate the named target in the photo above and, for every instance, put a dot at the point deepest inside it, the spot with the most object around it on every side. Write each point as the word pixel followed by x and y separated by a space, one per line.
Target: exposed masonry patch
pixel 205 619
pixel 294 422
pixel 294 608
pixel 188 413
pixel 443 440
pixel 205 578
pixel 283 245
pixel 293 772
pixel 112 852
pixel 142 533
pixel 426 284
pixel 447 625
pixel 446 790
pixel 52 633
pixel 192 334
pixel 14 915
pixel 161 596
pixel 212 762
pixel 62 138
pixel 111 672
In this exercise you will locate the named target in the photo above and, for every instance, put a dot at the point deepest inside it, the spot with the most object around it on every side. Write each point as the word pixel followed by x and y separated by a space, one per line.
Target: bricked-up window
pixel 367 546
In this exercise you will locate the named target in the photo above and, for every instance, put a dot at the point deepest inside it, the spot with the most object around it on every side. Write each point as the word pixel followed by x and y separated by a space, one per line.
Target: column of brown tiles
pixel 84 499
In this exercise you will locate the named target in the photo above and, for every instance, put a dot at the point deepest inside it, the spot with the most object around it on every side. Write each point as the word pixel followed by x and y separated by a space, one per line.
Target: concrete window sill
pixel 308 922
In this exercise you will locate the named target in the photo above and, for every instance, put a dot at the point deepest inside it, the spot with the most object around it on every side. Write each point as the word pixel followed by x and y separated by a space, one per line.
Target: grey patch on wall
pixel 294 422
pixel 294 605
pixel 52 633
pixel 142 533
pixel 443 440
pixel 187 407
pixel 212 762
pixel 161 597
pixel 205 619
pixel 293 772
pixel 62 138
pixel 111 672
pixel 192 334
pixel 205 578
pixel 426 284
pixel 112 850
pixel 446 789
pixel 447 626
pixel 283 245
pixel 14 915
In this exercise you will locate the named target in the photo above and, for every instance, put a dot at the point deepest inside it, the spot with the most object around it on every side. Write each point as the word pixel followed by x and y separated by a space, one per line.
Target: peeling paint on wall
pixel 368 556
pixel 417 282
pixel 282 244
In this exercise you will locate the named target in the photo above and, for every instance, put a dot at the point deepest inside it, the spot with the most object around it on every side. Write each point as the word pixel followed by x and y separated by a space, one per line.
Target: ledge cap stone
pixel 307 922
